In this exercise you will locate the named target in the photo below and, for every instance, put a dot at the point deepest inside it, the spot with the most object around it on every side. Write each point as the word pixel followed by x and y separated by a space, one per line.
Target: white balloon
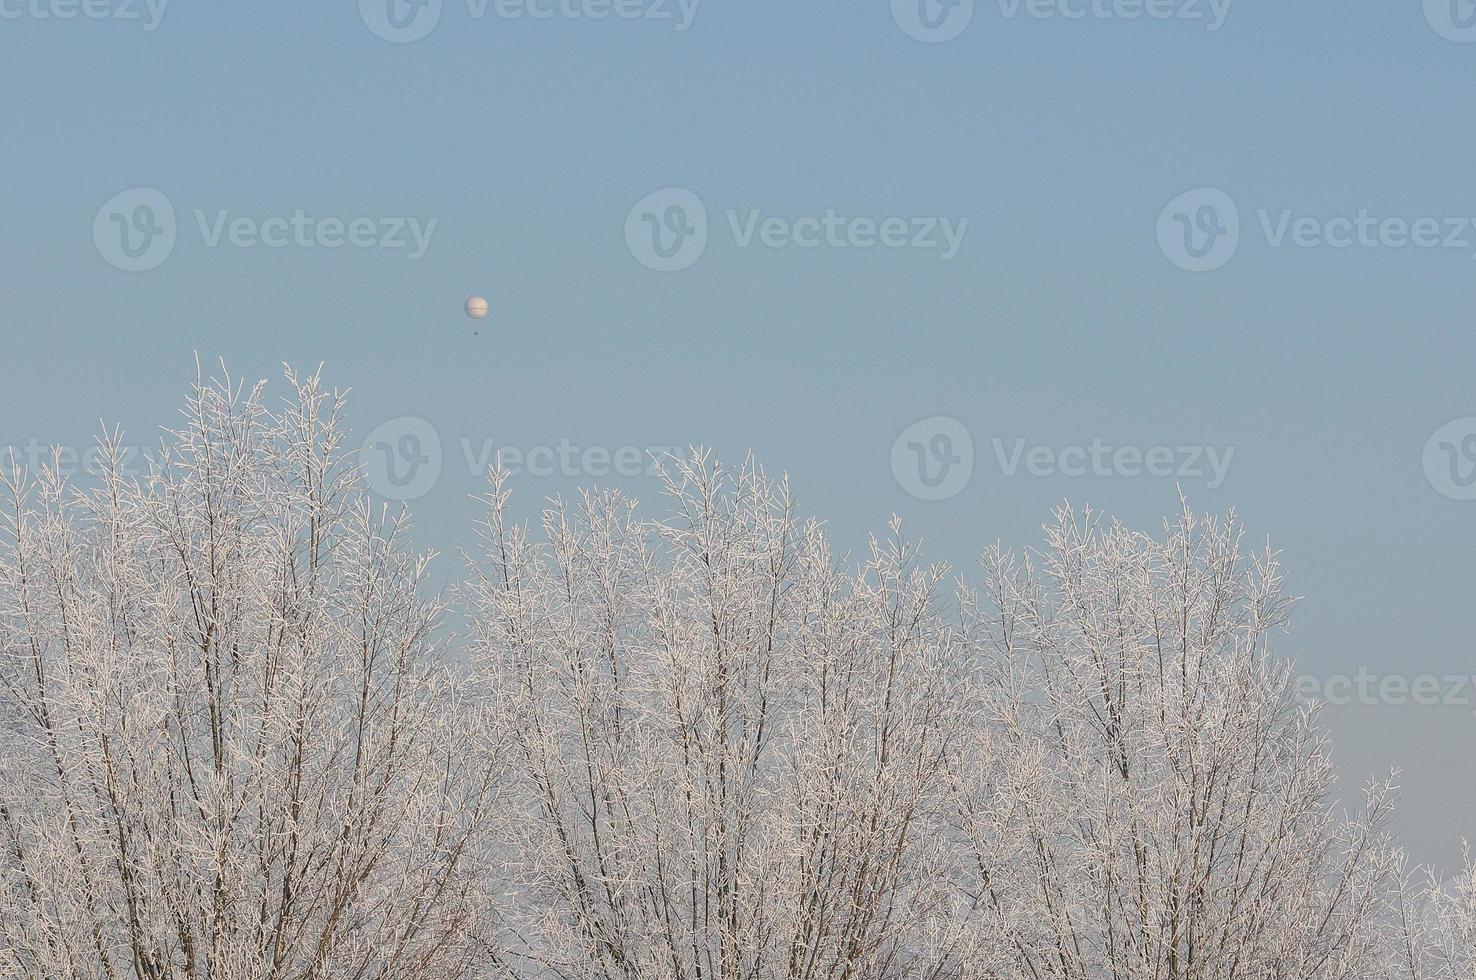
pixel 476 307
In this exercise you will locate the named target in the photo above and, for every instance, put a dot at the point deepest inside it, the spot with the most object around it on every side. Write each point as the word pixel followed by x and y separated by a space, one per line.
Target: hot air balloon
pixel 476 308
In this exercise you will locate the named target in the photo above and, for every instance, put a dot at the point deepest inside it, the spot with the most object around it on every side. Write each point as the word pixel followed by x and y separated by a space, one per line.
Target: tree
pixel 733 758
pixel 1435 927
pixel 1152 799
pixel 232 748
pixel 695 748
pixel 1454 948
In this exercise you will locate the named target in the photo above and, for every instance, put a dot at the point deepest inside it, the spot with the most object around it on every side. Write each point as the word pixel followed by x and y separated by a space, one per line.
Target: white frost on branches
pixel 733 757
pixel 1436 923
pixel 1153 801
pixel 695 748
pixel 228 743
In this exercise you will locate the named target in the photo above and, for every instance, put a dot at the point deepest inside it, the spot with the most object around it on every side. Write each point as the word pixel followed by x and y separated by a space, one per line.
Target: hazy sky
pixel 803 229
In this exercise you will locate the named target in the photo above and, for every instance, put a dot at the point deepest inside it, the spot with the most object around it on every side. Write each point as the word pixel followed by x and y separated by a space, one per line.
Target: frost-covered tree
pixel 734 758
pixel 1435 927
pixel 1453 951
pixel 231 751
pixel 695 748
pixel 1152 800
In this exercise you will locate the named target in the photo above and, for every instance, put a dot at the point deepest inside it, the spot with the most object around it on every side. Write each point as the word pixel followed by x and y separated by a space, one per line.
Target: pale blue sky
pixel 1059 321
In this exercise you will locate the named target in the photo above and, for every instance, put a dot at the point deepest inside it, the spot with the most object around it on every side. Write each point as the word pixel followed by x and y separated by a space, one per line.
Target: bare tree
pixel 231 749
pixel 698 748
pixel 1453 951
pixel 1435 926
pixel 1152 801
pixel 734 759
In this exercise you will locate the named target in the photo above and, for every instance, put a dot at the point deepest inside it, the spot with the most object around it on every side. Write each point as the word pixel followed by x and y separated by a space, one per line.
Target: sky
pixel 960 263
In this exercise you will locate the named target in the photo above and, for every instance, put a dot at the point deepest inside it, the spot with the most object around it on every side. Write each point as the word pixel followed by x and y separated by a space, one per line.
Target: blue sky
pixel 1052 146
